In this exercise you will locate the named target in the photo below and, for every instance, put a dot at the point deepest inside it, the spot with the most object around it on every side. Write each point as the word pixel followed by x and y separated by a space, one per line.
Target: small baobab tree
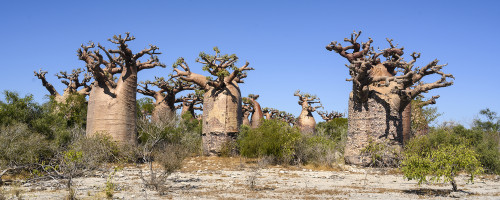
pixel 381 90
pixel 112 100
pixel 164 104
pixel 72 82
pixel 222 114
pixel 247 110
pixel 268 112
pixel 329 116
pixel 191 103
pixel 306 121
pixel 286 117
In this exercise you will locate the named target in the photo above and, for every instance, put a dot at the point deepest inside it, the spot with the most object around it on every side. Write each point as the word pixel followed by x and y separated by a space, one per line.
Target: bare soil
pixel 239 178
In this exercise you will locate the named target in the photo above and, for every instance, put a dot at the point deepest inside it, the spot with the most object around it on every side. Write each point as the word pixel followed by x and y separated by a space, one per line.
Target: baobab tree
pixel 164 104
pixel 268 112
pixel 222 114
pixel 72 82
pixel 329 116
pixel 247 110
pixel 190 103
pixel 306 121
pixel 112 100
pixel 381 90
pixel 257 114
pixel 286 117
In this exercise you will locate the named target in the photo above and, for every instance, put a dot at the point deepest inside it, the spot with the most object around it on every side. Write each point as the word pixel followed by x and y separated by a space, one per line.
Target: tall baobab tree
pixel 222 114
pixel 381 90
pixel 257 114
pixel 72 82
pixel 306 121
pixel 112 100
pixel 165 97
pixel 329 116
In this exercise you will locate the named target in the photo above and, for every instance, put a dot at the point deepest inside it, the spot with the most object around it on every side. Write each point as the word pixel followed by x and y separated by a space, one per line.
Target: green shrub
pixel 272 138
pixel 96 150
pixel 336 129
pixel 20 146
pixel 441 154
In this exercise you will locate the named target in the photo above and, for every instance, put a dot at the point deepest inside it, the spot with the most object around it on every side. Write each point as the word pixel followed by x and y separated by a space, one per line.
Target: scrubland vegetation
pixel 47 141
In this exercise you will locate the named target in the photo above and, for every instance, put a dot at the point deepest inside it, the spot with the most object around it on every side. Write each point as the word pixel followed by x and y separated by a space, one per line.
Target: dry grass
pixel 214 163
pixel 322 168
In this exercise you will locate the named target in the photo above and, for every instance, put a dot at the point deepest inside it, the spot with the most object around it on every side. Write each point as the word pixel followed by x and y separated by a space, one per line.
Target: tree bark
pixel 306 122
pixel 222 117
pixel 113 111
pixel 257 114
pixel 373 121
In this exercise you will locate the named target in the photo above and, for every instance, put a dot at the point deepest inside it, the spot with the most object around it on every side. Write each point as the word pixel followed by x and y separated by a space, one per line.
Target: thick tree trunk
pixel 257 114
pixel 306 122
pixel 113 111
pixel 162 111
pixel 188 108
pixel 222 117
pixel 164 107
pixel 373 121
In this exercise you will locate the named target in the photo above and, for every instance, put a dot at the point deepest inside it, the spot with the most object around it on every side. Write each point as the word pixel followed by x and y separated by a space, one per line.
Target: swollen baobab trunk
pixel 381 91
pixel 306 121
pixel 257 114
pixel 222 115
pixel 112 104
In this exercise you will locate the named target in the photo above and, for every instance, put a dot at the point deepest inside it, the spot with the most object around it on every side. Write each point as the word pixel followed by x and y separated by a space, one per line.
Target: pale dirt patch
pixel 227 178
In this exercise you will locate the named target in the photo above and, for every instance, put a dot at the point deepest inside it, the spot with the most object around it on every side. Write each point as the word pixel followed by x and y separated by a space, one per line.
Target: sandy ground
pixel 231 178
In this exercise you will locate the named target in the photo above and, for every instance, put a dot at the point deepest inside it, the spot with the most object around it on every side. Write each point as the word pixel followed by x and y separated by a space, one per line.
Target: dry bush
pixel 165 141
pixel 319 150
pixel 19 146
pixel 255 171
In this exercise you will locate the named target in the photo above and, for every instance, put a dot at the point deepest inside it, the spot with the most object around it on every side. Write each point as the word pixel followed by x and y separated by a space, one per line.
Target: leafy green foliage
pixel 272 138
pixel 145 107
pixel 440 155
pixel 491 124
pixel 20 146
pixel 16 109
pixel 336 129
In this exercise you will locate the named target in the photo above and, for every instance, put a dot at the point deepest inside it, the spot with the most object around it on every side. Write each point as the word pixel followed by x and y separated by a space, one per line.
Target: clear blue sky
pixel 283 40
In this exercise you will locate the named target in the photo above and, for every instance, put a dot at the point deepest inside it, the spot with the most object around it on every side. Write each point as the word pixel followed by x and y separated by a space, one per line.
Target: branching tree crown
pixel 328 116
pixel 72 82
pixel 120 60
pixel 367 69
pixel 219 67
pixel 307 100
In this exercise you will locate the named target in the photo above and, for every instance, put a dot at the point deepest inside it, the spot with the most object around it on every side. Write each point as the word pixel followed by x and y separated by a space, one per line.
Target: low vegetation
pixel 47 141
